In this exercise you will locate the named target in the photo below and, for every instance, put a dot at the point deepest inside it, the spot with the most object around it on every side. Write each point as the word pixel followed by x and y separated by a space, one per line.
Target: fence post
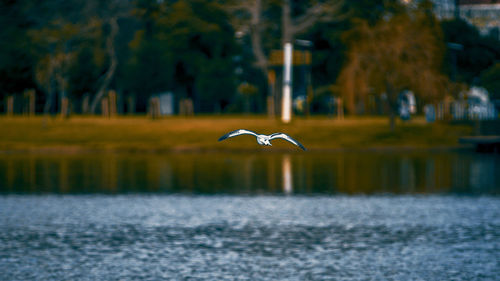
pixel 182 110
pixel 190 107
pixel 154 107
pixel 29 102
pixel 10 105
pixel 130 105
pixel 32 95
pixel 64 107
pixel 112 103
pixel 105 107
pixel 85 103
pixel 186 107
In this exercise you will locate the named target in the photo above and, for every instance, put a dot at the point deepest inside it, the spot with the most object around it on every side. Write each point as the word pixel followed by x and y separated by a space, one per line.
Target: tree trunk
pixel 112 103
pixel 105 107
pixel 340 108
pixel 32 102
pixel 48 102
pixel 131 105
pixel 256 37
pixel 64 103
pixel 119 103
pixel 85 103
pixel 154 108
pixel 47 107
pixel 392 102
pixel 257 49
pixel 392 120
pixel 29 102
pixel 10 105
pixel 108 76
pixel 64 107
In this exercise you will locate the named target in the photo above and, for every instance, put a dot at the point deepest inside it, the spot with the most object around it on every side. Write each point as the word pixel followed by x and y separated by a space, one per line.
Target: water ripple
pixel 237 238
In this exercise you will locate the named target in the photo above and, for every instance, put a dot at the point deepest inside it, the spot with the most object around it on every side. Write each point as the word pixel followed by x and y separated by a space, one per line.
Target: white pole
pixel 286 111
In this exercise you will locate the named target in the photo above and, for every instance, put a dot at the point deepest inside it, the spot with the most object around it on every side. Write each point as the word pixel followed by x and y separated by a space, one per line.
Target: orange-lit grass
pixel 201 133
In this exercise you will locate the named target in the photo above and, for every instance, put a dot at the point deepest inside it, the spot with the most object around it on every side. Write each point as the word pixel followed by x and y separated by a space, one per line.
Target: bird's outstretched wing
pixel 237 133
pixel 286 137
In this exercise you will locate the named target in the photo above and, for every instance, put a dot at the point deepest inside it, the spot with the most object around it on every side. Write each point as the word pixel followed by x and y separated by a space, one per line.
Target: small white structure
pixel 479 104
pixel 166 103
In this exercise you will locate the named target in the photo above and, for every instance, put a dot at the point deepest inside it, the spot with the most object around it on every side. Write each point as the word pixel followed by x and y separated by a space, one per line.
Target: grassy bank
pixel 201 133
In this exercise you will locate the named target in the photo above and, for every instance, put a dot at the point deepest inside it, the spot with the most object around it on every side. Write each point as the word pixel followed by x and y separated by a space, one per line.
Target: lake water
pixel 335 216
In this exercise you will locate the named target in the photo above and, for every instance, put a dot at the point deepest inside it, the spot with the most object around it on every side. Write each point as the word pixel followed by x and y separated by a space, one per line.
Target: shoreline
pixel 200 135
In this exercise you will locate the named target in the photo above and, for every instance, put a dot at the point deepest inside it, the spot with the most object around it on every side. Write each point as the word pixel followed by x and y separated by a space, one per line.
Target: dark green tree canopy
pixel 203 50
pixel 186 47
pixel 479 52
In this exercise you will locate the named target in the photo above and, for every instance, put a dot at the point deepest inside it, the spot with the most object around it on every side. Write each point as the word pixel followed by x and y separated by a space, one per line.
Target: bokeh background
pixel 113 57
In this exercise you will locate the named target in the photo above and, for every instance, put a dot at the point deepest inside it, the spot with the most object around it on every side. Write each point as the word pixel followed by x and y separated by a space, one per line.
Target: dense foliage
pixel 206 50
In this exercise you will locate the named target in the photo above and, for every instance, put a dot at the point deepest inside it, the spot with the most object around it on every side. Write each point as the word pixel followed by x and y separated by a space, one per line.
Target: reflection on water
pixel 348 173
pixel 287 174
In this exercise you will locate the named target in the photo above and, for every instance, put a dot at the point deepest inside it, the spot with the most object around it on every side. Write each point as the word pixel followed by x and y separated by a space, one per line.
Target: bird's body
pixel 262 139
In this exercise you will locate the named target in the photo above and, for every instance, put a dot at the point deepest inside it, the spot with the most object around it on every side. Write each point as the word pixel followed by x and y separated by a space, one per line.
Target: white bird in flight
pixel 262 139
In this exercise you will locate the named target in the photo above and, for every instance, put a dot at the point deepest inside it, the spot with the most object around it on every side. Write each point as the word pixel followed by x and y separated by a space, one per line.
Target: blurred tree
pixel 56 44
pixel 490 79
pixel 16 60
pixel 149 69
pixel 202 45
pixel 108 14
pixel 329 49
pixel 84 73
pixel 144 70
pixel 478 53
pixel 107 77
pixel 257 19
pixel 187 47
pixel 403 50
pixel 67 41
